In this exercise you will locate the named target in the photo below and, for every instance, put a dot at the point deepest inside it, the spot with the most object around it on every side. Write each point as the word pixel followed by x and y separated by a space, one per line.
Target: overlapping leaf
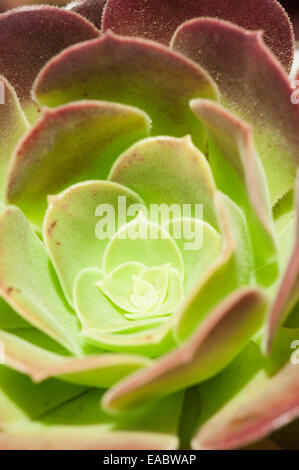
pixel 250 399
pixel 158 19
pixel 13 125
pixel 251 82
pixel 91 9
pixel 130 71
pixel 94 134
pixel 72 419
pixel 238 173
pixel 28 282
pixel 213 346
pixel 29 37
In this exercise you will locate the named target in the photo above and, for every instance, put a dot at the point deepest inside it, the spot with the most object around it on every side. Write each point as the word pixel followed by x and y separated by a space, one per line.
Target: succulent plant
pixel 126 321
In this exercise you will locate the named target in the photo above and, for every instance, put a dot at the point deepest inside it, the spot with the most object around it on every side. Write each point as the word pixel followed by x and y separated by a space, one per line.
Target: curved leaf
pixel 79 423
pixel 21 400
pixel 94 134
pixel 287 291
pixel 130 71
pixel 142 241
pixel 158 19
pixel 99 371
pixel 9 319
pixel 214 345
pixel 29 37
pixel 232 269
pixel 13 124
pixel 239 174
pixel 97 313
pixel 165 170
pixel 28 283
pixel 70 227
pixel 241 65
pixel 200 245
pixel 249 400
pixel 92 10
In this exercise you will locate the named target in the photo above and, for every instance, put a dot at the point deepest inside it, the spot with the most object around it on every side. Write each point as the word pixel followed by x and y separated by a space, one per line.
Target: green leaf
pixel 9 319
pixel 167 171
pixel 97 312
pixel 219 339
pixel 251 398
pixel 28 283
pixel 232 269
pixel 13 124
pixel 21 400
pixel 98 370
pixel 105 325
pixel 239 174
pixel 94 134
pixel 118 285
pixel 130 71
pixel 74 235
pixel 143 292
pixel 145 242
pixel 173 297
pixel 286 292
pixel 200 245
pixel 241 64
pixel 81 424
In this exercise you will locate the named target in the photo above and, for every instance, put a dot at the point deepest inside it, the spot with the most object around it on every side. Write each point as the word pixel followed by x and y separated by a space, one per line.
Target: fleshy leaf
pixel 130 71
pixel 99 314
pixel 250 399
pixel 158 278
pixel 239 174
pixel 21 400
pixel 94 134
pixel 232 269
pixel 179 174
pixel 287 293
pixel 9 319
pixel 28 284
pixel 117 286
pixel 102 371
pixel 13 124
pixel 71 227
pixel 105 325
pixel 214 345
pixel 142 241
pixel 200 245
pixel 79 423
pixel 158 19
pixel 143 292
pixel 283 212
pixel 29 37
pixel 10 4
pixel 91 9
pixel 173 298
pixel 151 337
pixel 241 64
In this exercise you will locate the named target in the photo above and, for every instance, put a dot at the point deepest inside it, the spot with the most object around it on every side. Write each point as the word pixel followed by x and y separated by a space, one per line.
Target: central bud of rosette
pixel 144 292
pixel 145 296
pixel 143 271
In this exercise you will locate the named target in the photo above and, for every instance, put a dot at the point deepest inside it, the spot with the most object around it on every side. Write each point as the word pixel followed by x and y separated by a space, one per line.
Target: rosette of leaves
pixel 139 342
